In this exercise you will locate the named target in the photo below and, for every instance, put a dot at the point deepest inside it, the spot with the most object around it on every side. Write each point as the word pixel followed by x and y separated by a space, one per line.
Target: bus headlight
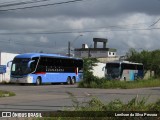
pixel 30 79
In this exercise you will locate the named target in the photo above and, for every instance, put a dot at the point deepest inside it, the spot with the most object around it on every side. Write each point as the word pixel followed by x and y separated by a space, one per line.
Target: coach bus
pixel 39 68
pixel 124 71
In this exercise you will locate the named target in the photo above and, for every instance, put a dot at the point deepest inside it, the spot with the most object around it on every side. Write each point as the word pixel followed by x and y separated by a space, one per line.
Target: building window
pixel 93 51
pixel 102 51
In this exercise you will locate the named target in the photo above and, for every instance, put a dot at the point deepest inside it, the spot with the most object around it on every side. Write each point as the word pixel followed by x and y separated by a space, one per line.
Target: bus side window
pixel 32 66
pixel 41 67
pixel 67 63
pixel 63 62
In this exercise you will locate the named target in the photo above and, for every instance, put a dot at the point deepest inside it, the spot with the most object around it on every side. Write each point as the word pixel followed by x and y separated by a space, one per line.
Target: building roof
pixel 96 49
pixel 30 55
pixel 100 40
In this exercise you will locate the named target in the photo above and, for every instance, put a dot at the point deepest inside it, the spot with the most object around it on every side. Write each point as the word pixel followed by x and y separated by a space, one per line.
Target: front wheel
pixel 38 81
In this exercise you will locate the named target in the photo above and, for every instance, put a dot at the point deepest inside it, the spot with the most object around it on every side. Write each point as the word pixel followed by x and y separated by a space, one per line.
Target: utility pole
pixel 69 48
pixel 89 51
pixel 69 44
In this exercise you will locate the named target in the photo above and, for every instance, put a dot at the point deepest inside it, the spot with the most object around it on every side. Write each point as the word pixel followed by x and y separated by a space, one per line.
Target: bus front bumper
pixel 27 79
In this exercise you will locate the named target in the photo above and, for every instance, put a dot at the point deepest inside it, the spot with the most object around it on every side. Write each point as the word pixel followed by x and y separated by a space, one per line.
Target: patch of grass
pixel 6 93
pixel 95 104
pixel 116 105
pixel 111 84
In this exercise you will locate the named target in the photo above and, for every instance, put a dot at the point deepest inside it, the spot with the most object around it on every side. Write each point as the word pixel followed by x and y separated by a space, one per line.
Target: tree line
pixel 150 59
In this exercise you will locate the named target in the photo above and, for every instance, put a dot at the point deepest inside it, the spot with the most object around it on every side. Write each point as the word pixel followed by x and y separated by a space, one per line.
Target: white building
pixel 4 59
pixel 99 70
pixel 104 52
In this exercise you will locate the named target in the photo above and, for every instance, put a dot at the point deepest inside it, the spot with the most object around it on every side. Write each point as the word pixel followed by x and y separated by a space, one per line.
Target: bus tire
pixel 73 80
pixel 38 81
pixel 68 81
pixel 22 84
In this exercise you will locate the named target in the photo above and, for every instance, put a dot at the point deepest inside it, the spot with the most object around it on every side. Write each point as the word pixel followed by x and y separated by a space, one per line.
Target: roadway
pixel 57 97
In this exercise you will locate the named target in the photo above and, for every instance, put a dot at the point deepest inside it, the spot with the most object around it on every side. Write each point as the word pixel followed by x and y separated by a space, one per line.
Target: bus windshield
pixel 113 70
pixel 20 66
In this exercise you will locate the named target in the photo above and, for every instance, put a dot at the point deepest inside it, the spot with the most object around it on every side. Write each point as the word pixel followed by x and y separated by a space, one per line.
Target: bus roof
pixel 124 62
pixel 31 55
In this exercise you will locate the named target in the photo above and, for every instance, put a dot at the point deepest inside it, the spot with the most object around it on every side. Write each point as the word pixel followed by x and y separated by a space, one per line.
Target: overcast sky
pixel 125 23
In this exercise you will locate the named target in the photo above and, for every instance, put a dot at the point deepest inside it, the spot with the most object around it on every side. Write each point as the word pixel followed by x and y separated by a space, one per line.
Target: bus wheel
pixel 38 81
pixel 68 81
pixel 73 80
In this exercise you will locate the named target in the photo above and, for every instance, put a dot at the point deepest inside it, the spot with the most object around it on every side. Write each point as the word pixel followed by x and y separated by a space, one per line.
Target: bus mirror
pixel 8 63
pixel 29 63
pixel 103 69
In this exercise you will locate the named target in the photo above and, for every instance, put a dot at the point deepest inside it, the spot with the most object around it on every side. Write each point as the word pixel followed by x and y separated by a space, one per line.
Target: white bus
pixel 127 71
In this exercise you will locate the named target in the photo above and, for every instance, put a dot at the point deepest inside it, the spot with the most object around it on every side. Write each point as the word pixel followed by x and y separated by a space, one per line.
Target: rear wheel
pixel 38 81
pixel 22 84
pixel 68 81
pixel 73 80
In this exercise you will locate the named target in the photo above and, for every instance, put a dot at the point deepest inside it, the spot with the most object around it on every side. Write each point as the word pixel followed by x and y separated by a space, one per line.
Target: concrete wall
pixel 99 70
pixel 95 53
pixel 149 74
pixel 108 59
pixel 4 59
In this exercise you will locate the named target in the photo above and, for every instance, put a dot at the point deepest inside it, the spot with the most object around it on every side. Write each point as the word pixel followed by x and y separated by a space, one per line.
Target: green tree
pixel 150 59
pixel 155 62
pixel 132 55
pixel 88 77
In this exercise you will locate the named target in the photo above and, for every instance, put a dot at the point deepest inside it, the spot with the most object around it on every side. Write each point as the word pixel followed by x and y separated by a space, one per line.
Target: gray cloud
pixel 91 15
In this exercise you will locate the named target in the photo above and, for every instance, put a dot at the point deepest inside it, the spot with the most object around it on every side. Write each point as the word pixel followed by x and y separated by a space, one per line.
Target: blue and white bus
pixel 124 71
pixel 39 68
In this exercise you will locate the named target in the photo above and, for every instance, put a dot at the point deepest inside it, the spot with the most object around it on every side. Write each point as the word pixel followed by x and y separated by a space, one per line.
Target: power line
pixel 15 3
pixel 8 2
pixel 82 31
pixel 25 44
pixel 89 30
pixel 110 28
pixel 43 5
pixel 35 45
pixel 155 23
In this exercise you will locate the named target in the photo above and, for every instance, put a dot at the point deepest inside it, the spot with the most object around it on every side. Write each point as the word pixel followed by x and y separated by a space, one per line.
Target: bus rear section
pixel 124 71
pixel 131 75
pixel 131 71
